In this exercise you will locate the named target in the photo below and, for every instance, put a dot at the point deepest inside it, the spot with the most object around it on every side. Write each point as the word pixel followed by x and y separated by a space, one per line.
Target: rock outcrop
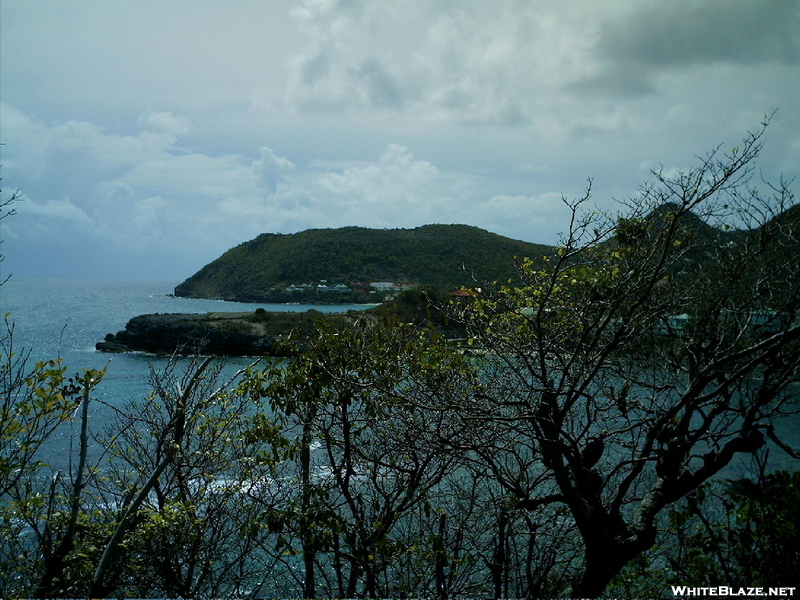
pixel 267 333
pixel 223 334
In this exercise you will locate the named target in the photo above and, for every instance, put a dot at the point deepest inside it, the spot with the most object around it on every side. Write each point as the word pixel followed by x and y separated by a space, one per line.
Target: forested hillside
pixel 439 255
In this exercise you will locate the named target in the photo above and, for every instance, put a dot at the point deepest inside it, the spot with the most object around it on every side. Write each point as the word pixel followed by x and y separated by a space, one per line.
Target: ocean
pixel 65 318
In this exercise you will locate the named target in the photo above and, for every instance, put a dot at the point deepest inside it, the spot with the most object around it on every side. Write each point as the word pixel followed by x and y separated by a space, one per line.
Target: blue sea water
pixel 65 318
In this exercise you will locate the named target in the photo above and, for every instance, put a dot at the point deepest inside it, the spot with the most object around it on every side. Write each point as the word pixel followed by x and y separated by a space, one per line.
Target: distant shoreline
pixel 258 333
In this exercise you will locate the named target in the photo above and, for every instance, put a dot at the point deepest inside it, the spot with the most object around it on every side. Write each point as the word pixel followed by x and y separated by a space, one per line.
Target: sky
pixel 147 137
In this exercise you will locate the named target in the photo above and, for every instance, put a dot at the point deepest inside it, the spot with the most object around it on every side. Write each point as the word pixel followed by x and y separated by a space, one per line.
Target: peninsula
pixel 264 333
pixel 354 265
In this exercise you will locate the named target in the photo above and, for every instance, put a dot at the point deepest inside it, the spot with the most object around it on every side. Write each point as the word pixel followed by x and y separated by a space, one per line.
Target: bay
pixel 65 318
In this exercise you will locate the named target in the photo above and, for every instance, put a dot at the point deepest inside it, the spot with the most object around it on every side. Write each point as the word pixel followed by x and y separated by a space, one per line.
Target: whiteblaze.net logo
pixel 726 591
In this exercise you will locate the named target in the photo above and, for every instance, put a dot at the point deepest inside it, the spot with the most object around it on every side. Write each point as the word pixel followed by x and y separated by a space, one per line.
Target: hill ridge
pixel 442 255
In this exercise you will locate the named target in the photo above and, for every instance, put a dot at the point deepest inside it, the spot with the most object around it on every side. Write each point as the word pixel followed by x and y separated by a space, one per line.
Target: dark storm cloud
pixel 616 80
pixel 686 33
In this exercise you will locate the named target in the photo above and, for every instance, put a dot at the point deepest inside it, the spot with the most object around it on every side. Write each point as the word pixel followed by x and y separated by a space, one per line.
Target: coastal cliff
pixel 264 333
pixel 258 333
pixel 224 334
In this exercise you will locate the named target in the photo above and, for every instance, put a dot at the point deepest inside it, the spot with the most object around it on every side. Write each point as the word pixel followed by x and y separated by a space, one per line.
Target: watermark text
pixel 726 591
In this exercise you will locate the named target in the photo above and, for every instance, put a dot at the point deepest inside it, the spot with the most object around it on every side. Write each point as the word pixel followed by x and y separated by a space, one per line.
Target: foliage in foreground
pixel 566 449
pixel 741 533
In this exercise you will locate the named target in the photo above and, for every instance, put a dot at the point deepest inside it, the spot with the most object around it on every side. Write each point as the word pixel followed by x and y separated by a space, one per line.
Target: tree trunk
pixel 440 559
pixel 498 567
pixel 306 522
pixel 604 559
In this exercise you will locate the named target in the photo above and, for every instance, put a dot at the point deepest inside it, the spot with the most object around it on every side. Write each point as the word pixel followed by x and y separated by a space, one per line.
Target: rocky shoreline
pixel 262 332
pixel 223 334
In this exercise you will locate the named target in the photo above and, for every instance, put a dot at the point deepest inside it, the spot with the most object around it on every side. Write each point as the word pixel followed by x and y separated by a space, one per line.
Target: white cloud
pixel 147 217
pixel 269 169
pixel 62 210
pixel 479 63
pixel 211 176
pixel 396 174
pixel 165 121
pixel 397 190
pixel 513 215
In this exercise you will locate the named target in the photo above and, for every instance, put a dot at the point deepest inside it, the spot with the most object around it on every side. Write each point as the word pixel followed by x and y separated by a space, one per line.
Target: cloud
pixel 165 121
pixel 396 173
pixel 269 169
pixel 380 88
pixel 513 215
pixel 62 210
pixel 143 194
pixel 395 191
pixel 123 57
pixel 150 137
pixel 550 69
pixel 194 206
pixel 480 64
pixel 117 193
pixel 685 32
pixel 652 39
pixel 199 174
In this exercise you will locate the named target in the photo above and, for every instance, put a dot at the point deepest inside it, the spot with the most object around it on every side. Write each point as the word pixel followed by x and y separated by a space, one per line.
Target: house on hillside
pixel 463 294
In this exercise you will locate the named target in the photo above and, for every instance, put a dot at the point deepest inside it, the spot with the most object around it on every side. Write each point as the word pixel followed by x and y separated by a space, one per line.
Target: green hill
pixel 444 256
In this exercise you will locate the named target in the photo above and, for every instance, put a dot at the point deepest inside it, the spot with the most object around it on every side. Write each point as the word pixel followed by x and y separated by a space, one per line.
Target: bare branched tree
pixel 645 354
